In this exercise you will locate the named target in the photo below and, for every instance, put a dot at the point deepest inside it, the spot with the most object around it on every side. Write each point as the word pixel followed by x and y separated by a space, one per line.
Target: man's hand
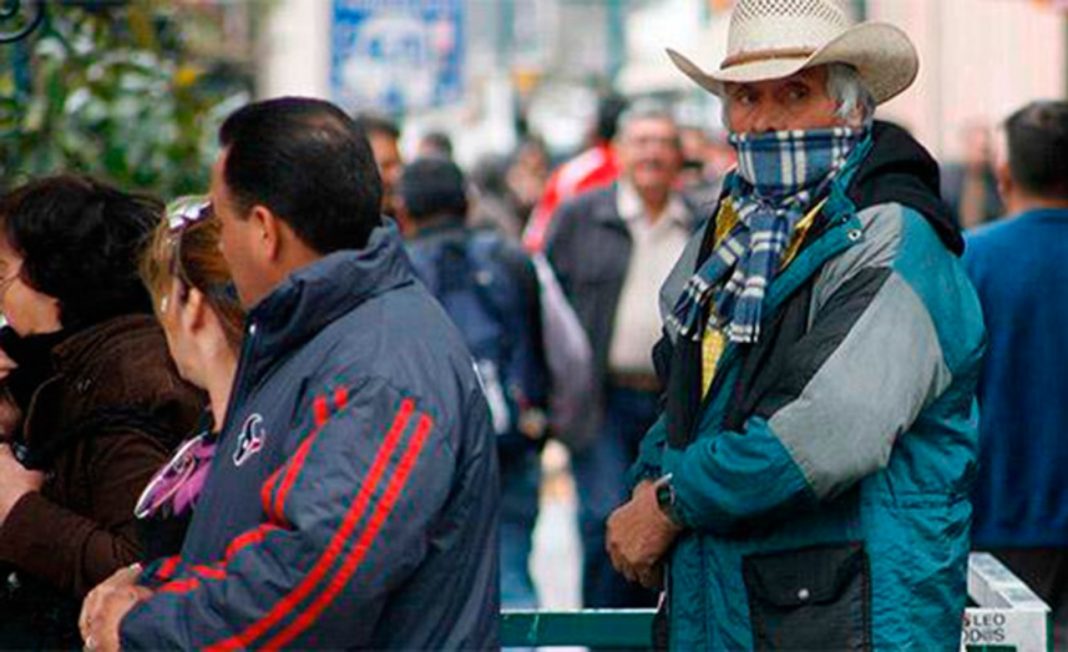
pixel 639 534
pixel 105 607
pixel 15 481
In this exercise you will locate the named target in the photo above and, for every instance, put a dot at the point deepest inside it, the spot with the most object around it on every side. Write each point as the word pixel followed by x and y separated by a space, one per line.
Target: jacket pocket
pixel 815 598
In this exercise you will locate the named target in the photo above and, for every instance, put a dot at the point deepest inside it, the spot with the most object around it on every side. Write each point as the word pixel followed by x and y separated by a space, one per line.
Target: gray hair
pixel 646 110
pixel 856 104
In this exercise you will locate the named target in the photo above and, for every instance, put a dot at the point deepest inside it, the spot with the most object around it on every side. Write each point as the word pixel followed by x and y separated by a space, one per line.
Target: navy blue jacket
pixel 1018 268
pixel 352 502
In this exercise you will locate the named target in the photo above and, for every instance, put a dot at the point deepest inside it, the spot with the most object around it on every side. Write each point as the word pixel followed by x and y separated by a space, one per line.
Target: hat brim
pixel 882 54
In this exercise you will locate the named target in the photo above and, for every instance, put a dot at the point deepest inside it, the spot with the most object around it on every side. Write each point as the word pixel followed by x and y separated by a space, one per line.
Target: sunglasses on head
pixel 181 215
pixel 187 211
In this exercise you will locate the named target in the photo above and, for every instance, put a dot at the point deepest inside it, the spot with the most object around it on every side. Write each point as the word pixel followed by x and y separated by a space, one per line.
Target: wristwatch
pixel 665 499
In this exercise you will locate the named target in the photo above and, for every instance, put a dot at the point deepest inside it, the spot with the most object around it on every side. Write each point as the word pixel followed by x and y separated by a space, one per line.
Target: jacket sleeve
pixel 869 364
pixel 349 519
pixel 92 546
pixel 650 452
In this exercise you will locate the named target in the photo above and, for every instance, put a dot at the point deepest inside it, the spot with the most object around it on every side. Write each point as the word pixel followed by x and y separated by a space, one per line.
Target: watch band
pixel 666 500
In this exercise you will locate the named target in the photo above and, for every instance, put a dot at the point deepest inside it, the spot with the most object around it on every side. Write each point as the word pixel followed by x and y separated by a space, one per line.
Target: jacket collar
pixel 120 364
pixel 315 296
pixel 900 170
pixel 447 227
pixel 606 209
pixel 86 347
pixel 629 206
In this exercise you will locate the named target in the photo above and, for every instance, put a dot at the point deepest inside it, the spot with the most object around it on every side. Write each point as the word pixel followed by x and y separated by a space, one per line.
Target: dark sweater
pixel 1018 267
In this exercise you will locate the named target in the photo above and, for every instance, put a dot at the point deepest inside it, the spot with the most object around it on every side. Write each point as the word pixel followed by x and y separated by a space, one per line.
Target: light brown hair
pixel 201 265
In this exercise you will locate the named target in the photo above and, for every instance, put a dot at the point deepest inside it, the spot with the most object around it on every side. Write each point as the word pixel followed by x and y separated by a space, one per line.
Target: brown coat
pixel 80 527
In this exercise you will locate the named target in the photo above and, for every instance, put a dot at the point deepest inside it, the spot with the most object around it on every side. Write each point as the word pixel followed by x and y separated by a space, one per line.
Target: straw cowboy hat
pixel 772 39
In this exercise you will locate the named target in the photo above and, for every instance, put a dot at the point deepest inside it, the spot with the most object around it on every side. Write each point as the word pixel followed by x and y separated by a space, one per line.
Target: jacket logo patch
pixel 251 439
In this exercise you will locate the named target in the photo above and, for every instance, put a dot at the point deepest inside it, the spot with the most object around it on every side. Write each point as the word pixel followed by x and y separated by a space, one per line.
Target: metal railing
pixel 1007 616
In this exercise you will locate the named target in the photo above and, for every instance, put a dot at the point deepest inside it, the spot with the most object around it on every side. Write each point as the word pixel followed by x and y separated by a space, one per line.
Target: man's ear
pixel 268 232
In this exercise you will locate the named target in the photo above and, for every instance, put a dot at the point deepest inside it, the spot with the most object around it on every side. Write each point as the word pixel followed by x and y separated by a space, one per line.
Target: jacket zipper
pixel 239 379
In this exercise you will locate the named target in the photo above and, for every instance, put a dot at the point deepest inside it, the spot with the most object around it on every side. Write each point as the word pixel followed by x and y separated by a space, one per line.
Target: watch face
pixel 665 496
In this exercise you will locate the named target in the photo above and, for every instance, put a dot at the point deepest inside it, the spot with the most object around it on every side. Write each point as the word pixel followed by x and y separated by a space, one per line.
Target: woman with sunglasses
pixel 198 307
pixel 94 404
pixel 202 318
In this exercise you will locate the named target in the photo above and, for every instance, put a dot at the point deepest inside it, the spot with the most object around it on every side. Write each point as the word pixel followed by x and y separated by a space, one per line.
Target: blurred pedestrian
pixel 970 186
pixel 1018 267
pixel 348 507
pixel 489 288
pixel 595 167
pixel 528 175
pixel 435 144
pixel 806 486
pixel 384 136
pixel 100 406
pixel 612 249
pixel 494 205
pixel 702 170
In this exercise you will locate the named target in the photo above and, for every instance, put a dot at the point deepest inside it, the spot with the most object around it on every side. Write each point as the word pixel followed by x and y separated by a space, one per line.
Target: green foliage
pixel 115 94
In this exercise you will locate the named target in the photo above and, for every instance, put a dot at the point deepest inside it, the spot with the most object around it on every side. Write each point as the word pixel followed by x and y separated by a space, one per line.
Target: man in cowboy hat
pixel 806 485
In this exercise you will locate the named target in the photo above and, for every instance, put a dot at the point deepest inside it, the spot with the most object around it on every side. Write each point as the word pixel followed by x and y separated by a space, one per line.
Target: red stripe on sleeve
pixel 363 545
pixel 210 572
pixel 337 543
pixel 321 411
pixel 180 586
pixel 249 538
pixel 267 490
pixel 341 397
pixel 167 568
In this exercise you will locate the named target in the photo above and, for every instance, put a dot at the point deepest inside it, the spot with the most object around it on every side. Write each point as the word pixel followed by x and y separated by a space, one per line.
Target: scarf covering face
pixel 779 178
pixel 175 488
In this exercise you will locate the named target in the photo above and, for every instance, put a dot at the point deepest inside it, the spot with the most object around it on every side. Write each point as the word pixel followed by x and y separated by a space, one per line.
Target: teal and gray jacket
pixel 824 479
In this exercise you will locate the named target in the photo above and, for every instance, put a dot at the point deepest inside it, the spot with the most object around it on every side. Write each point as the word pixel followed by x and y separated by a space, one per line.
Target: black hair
pixel 440 142
pixel 490 174
pixel 608 111
pixel 310 164
pixel 433 187
pixel 1038 148
pixel 80 240
pixel 376 124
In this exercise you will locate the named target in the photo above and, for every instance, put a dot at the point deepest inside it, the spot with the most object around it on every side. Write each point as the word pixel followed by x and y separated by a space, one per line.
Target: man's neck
pixel 273 276
pixel 655 204
pixel 1026 203
pixel 434 223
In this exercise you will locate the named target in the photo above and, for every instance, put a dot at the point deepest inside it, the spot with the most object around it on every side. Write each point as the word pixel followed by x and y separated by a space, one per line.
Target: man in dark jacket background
pixel 489 287
pixel 352 502
pixel 612 249
pixel 1021 498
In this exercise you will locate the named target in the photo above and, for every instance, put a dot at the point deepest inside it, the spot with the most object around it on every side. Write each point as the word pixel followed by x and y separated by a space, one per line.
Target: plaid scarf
pixel 779 177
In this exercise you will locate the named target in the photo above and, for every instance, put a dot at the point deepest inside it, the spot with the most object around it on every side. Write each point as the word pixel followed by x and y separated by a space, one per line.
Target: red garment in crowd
pixel 591 169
